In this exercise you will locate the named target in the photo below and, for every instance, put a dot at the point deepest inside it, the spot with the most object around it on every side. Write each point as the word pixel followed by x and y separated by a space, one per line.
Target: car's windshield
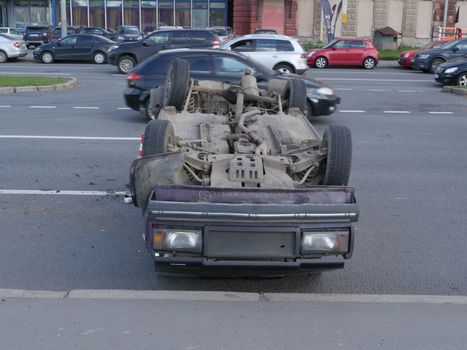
pixel 451 44
pixel 129 31
pixel 330 44
pixel 436 46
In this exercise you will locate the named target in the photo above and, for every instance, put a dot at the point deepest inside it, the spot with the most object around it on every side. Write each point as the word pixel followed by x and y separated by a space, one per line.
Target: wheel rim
pixel 126 65
pixel 435 65
pixel 284 69
pixel 463 80
pixel 2 57
pixel 369 63
pixel 99 58
pixel 47 57
pixel 320 63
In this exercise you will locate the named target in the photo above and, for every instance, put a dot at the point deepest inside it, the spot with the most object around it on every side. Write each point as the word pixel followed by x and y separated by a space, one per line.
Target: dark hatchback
pixel 127 55
pixel 226 66
pixel 429 60
pixel 453 72
pixel 128 33
pixel 74 48
pixel 36 35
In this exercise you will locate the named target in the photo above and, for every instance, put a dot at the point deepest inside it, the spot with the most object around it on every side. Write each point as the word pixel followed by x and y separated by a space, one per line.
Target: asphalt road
pixel 409 169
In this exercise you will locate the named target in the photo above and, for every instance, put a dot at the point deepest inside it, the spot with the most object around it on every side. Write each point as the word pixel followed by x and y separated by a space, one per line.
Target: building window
pixel 131 12
pixel 166 13
pixel 80 12
pixel 217 13
pixel 183 13
pixel 200 14
pixel 148 16
pixel 97 13
pixel 114 14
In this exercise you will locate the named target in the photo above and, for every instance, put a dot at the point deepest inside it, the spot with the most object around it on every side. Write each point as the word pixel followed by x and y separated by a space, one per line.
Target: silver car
pixel 278 52
pixel 11 48
pixel 11 32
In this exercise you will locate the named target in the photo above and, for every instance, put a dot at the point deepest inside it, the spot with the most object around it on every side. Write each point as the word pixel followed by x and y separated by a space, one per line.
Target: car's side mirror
pixel 145 44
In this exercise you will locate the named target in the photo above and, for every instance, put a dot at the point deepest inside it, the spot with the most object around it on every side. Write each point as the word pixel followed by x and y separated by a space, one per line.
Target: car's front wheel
pixel 321 62
pixel 47 57
pixel 99 57
pixel 369 63
pixel 337 145
pixel 159 137
pixel 284 68
pixel 3 57
pixel 462 80
pixel 126 64
pixel 435 64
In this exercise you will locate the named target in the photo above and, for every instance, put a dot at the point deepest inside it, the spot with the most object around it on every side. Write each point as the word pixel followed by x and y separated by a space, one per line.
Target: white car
pixel 278 52
pixel 11 48
pixel 11 32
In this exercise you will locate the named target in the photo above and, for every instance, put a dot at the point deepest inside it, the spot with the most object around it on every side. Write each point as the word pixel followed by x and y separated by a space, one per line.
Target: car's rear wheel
pixel 126 64
pixel 284 68
pixel 435 64
pixel 295 94
pixel 462 80
pixel 159 137
pixel 177 84
pixel 3 57
pixel 47 57
pixel 321 62
pixel 337 143
pixel 369 63
pixel 99 57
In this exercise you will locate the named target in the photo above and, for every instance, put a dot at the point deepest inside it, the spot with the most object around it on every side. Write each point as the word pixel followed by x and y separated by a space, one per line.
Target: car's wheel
pixel 126 64
pixel 435 64
pixel 99 57
pixel 369 63
pixel 159 136
pixel 321 62
pixel 284 68
pixel 308 110
pixel 3 57
pixel 462 80
pixel 47 57
pixel 150 111
pixel 177 84
pixel 295 94
pixel 337 143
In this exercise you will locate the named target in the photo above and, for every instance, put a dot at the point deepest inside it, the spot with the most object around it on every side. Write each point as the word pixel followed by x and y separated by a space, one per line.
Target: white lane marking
pixel 351 111
pixel 119 75
pixel 406 90
pixel 84 107
pixel 343 89
pixel 62 193
pixel 121 83
pixel 42 107
pixel 363 79
pixel 423 133
pixel 378 90
pixel 41 137
pixel 41 67
pixel 397 112
pixel 31 73
pixel 435 112
pixel 124 108
pixel 5 106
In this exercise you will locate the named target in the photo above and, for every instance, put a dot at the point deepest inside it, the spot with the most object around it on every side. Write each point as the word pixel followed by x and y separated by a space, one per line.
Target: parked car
pixel 345 52
pixel 221 65
pixel 429 60
pixel 278 52
pixel 127 55
pixel 452 72
pixel 128 33
pixel 224 33
pixel 99 31
pixel 11 32
pixel 36 35
pixel 405 58
pixel 75 47
pixel 11 48
pixel 265 31
pixel 56 34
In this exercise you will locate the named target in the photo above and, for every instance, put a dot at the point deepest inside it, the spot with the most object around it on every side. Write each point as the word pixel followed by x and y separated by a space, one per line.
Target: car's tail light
pixel 134 76
pixel 215 44
pixel 17 44
pixel 303 55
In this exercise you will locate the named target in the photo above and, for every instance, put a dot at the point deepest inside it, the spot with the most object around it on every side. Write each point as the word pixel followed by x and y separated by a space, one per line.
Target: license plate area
pixel 250 243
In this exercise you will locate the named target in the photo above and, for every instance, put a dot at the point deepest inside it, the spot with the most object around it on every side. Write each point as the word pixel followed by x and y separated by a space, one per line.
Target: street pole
pixel 63 18
pixel 445 17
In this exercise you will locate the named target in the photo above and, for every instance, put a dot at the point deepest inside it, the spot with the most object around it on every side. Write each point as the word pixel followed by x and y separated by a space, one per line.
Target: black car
pixel 75 47
pixel 429 60
pixel 36 35
pixel 452 72
pixel 128 33
pixel 127 55
pixel 221 65
pixel 99 31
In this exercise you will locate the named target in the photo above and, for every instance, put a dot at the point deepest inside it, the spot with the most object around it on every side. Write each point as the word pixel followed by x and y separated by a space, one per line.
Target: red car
pixel 405 59
pixel 345 52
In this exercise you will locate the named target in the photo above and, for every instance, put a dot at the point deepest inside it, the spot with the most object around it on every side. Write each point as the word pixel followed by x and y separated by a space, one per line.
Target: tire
pixel 435 63
pixel 126 64
pixel 177 83
pixel 158 135
pixel 308 110
pixel 99 57
pixel 369 63
pixel 151 112
pixel 3 56
pixel 296 94
pixel 47 57
pixel 337 141
pixel 462 80
pixel 284 68
pixel 321 62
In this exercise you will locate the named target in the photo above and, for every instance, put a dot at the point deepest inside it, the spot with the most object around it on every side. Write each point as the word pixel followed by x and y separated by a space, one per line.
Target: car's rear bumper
pixel 405 62
pixel 135 98
pixel 323 105
pixel 17 53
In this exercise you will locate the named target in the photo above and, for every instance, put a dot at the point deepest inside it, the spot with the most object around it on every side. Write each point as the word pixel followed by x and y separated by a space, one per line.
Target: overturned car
pixel 235 180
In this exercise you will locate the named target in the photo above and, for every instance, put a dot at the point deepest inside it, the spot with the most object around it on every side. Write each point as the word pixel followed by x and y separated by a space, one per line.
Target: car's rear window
pixel 130 31
pixel 357 44
pixel 284 45
pixel 3 30
pixel 219 32
pixel 36 29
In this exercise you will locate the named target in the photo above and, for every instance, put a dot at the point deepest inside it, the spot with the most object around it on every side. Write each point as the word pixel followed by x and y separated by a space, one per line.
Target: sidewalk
pixel 223 320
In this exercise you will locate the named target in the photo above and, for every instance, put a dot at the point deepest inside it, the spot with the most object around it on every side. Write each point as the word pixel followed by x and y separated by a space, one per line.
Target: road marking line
pixel 63 193
pixel 351 111
pixel 103 138
pixel 406 90
pixel 121 83
pixel 343 89
pixel 434 112
pixel 119 75
pixel 378 90
pixel 124 108
pixel 5 106
pixel 42 107
pixel 83 107
pixel 397 112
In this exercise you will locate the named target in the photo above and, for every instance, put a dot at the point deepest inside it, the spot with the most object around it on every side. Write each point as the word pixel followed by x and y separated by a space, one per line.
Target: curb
pixel 72 83
pixel 455 90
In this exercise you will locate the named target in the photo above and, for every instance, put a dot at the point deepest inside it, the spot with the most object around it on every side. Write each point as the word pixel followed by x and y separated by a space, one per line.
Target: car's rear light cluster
pixel 215 44
pixel 303 55
pixel 134 76
pixel 17 44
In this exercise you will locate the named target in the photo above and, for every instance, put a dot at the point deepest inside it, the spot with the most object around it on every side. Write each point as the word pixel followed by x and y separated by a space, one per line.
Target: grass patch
pixel 16 81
